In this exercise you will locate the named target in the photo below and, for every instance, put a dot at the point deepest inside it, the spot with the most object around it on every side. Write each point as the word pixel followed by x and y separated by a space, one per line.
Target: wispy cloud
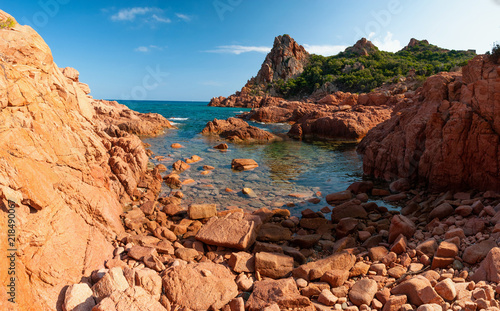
pixel 129 14
pixel 387 44
pixel 147 49
pixel 239 49
pixel 325 50
pixel 161 19
pixel 184 17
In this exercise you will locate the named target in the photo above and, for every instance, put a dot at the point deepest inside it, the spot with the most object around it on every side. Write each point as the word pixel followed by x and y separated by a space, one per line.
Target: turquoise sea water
pixel 285 167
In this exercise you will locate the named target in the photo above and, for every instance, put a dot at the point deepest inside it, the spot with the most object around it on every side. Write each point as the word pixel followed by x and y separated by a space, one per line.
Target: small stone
pixel 363 291
pixel 327 298
pixel 446 289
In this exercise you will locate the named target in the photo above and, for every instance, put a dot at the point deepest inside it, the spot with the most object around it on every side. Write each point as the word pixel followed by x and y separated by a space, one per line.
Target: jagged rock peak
pixel 363 47
pixel 413 42
pixel 286 60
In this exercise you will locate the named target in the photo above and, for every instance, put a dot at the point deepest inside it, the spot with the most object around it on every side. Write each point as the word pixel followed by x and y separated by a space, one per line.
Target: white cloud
pixel 161 19
pixel 387 44
pixel 325 50
pixel 184 17
pixel 239 49
pixel 130 14
pixel 147 49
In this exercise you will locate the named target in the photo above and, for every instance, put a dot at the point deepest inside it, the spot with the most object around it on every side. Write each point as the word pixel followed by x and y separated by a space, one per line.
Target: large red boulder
pixel 448 138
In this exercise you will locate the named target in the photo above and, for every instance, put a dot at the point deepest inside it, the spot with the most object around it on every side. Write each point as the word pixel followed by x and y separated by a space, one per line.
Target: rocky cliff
pixel 66 169
pixel 286 60
pixel 448 138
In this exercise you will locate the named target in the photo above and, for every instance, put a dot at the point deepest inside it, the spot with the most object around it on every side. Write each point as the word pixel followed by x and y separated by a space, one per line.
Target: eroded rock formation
pixel 67 177
pixel 448 138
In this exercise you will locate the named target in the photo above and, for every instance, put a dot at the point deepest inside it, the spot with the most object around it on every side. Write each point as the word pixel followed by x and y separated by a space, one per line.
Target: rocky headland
pixel 93 233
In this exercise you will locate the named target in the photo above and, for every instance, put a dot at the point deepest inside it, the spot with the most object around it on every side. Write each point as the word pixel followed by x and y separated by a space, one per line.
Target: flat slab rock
pixel 200 286
pixel 236 230
pixel 315 269
pixel 243 164
pixel 282 292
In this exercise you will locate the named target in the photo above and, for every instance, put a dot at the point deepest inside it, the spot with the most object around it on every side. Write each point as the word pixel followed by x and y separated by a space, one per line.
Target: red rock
pixel 221 146
pixel 202 211
pixel 377 253
pixel 346 226
pixel 394 303
pixel 395 197
pixel 447 249
pixel 180 166
pixel 348 209
pixel 361 187
pixel 428 247
pixel 282 292
pixel 441 262
pixel 401 225
pixel 242 262
pixel 312 223
pixel 243 164
pixel 306 241
pixel 419 291
pixel 473 226
pixel 273 265
pixel 67 157
pixel 400 185
pixel 316 269
pixel 363 291
pixel 149 207
pixel 442 211
pixel 176 146
pixel 490 267
pixel 457 232
pixel 271 232
pixel 380 192
pixel 337 197
pixel 236 230
pixel 327 298
pixel 109 283
pixel 150 281
pixel 335 277
pixel 443 151
pixel 446 289
pixel 236 130
pixel 399 245
pixel 132 298
pixel 186 254
pixel 477 252
pixel 78 297
pixel 200 286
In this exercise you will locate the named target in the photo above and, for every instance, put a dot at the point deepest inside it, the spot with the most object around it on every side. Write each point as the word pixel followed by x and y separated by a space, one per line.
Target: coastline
pixel 71 165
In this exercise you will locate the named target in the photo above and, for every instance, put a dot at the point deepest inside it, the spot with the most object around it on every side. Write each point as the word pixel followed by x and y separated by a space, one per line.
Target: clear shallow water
pixel 285 167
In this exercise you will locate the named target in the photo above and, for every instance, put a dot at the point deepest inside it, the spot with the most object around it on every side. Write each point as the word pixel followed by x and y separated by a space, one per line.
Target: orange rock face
pixel 66 175
pixel 236 130
pixel 449 138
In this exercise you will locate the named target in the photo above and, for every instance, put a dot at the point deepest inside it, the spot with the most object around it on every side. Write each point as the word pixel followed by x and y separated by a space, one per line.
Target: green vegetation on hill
pixel 353 73
pixel 495 53
pixel 8 23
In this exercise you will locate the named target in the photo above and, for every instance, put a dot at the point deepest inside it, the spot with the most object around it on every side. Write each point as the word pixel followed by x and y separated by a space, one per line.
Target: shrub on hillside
pixel 8 23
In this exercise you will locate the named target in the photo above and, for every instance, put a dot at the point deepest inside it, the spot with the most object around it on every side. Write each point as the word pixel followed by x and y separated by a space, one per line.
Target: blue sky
pixel 194 50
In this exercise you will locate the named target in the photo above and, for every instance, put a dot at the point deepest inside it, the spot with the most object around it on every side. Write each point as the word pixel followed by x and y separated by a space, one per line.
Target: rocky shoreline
pixel 94 233
pixel 438 253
